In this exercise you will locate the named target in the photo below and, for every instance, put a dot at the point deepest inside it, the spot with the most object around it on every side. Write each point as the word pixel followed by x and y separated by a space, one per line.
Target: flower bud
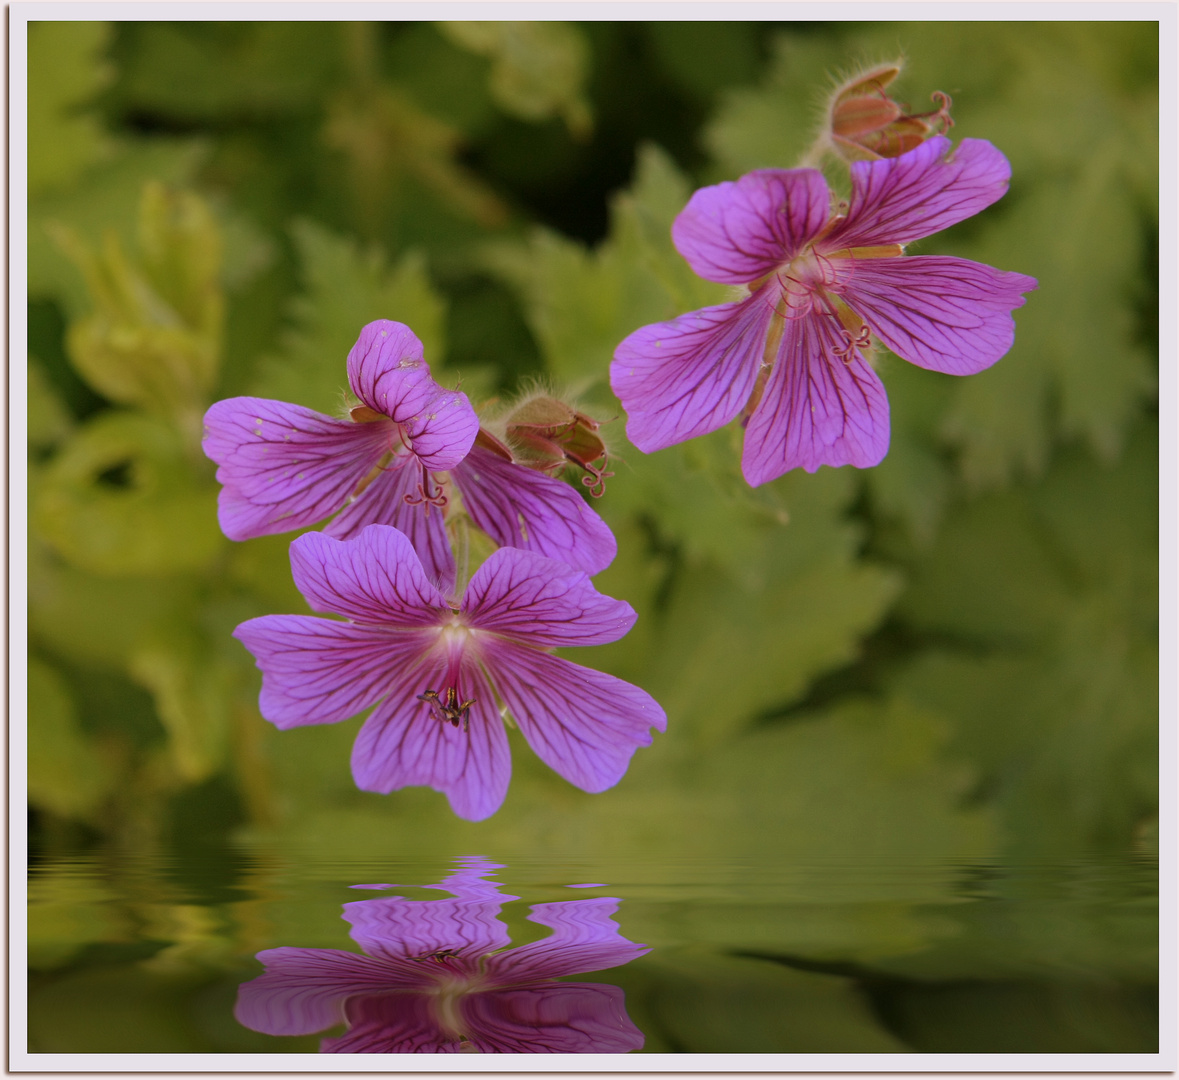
pixel 546 434
pixel 864 123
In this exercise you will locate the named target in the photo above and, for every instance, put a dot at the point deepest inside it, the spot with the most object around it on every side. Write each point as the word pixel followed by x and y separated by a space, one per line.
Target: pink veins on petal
pixel 437 976
pixel 393 462
pixel 284 467
pixel 792 356
pixel 437 672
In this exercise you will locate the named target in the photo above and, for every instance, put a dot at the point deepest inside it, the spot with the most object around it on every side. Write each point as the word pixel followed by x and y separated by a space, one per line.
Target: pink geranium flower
pixel 284 467
pixel 436 672
pixel 437 977
pixel 791 354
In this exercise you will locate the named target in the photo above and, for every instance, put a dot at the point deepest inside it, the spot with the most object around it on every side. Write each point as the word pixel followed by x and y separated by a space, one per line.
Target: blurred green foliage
pixel 943 665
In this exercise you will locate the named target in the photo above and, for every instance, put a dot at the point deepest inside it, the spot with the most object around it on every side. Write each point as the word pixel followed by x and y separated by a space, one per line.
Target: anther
pixel 446 707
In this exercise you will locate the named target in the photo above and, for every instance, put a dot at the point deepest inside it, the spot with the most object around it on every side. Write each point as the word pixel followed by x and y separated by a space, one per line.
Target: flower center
pixel 456 982
pixel 447 703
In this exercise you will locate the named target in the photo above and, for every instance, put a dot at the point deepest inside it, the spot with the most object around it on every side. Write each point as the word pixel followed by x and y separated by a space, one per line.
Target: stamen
pixel 851 344
pixel 425 496
pixel 941 115
pixel 596 480
pixel 439 957
pixel 446 707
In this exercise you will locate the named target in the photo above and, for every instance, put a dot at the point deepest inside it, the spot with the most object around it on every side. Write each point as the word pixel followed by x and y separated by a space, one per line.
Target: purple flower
pixel 435 979
pixel 791 353
pixel 284 467
pixel 437 670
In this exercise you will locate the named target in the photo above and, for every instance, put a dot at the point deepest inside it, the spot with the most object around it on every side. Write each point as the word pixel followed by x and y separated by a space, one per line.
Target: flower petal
pixel 441 435
pixel 469 881
pixel 740 230
pixel 319 671
pixel 388 371
pixel 584 938
pixel 303 990
pixel 383 503
pixel 282 466
pixel 938 312
pixel 558 1018
pixel 692 375
pixel 583 724
pixel 391 1024
pixel 402 743
pixel 542 602
pixel 400 930
pixel 521 508
pixel 895 200
pixel 817 409
pixel 375 578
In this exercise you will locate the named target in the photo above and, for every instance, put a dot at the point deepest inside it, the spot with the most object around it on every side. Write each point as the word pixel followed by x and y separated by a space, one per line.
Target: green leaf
pixel 99 621
pixel 193 694
pixel 120 499
pixel 744 630
pixel 107 198
pixel 538 69
pixel 49 416
pixel 913 483
pixel 385 137
pixel 581 304
pixel 211 71
pixel 67 775
pixel 772 125
pixel 154 337
pixel 66 70
pixel 1059 585
pixel 345 289
pixel 1075 341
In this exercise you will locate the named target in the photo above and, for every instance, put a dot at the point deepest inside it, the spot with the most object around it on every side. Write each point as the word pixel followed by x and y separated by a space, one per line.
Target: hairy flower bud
pixel 546 434
pixel 864 123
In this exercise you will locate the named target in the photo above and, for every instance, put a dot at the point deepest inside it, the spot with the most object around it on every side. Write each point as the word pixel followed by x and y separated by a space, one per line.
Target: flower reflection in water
pixel 438 977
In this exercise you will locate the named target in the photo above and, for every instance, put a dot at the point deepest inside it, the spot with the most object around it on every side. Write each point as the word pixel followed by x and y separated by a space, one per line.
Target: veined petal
pixel 388 371
pixel 318 671
pixel 402 932
pixel 469 880
pixel 282 466
pixel 938 312
pixel 522 508
pixel 817 409
pixel 692 375
pixel 895 200
pixel 391 1024
pixel 738 231
pixel 541 602
pixel 583 724
pixel 584 938
pixel 402 743
pixel 441 434
pixel 383 503
pixel 303 990
pixel 557 1018
pixel 375 578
